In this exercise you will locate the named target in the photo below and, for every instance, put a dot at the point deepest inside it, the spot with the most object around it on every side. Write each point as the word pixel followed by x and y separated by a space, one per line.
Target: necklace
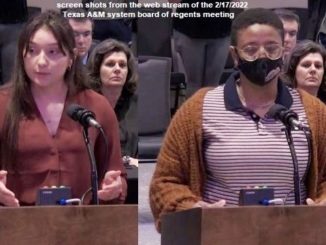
pixel 252 106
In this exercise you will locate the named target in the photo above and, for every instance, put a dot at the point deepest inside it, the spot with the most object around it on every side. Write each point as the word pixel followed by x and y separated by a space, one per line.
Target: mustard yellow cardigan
pixel 178 179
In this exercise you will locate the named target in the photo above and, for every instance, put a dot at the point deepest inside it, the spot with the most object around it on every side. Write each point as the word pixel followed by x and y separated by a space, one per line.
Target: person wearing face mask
pixel 222 139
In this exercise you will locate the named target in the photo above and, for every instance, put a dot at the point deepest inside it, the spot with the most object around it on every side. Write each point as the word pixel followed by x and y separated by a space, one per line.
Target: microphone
pixel 85 117
pixel 288 117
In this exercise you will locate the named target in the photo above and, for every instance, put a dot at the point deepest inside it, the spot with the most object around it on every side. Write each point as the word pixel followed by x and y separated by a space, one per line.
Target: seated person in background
pixel 305 68
pixel 83 31
pixel 202 43
pixel 116 28
pixel 112 69
pixel 222 140
pixel 40 144
pixel 291 25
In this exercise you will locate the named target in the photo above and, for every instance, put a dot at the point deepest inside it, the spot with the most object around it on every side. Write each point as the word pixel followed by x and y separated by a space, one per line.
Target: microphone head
pixel 276 110
pixel 82 115
pixel 280 112
pixel 74 111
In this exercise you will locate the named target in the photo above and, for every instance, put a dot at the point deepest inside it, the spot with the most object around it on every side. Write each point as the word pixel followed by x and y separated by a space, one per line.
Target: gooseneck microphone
pixel 288 117
pixel 85 117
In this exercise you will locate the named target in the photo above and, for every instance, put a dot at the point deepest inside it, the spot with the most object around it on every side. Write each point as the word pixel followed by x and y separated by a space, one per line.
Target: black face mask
pixel 261 71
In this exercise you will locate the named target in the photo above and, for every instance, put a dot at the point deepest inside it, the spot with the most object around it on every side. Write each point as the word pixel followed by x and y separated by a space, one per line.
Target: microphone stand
pixel 94 178
pixel 296 176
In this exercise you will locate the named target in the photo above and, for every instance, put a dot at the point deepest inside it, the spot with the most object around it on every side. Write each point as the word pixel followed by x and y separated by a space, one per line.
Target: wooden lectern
pixel 279 225
pixel 58 225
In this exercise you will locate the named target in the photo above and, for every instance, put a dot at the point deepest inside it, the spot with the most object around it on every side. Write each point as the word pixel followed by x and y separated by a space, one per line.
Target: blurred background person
pixel 291 25
pixel 202 44
pixel 117 28
pixel 316 21
pixel 40 144
pixel 112 69
pixel 305 68
pixel 83 32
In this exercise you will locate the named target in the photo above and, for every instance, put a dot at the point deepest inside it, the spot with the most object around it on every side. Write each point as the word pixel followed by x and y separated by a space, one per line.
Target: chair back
pixel 153 94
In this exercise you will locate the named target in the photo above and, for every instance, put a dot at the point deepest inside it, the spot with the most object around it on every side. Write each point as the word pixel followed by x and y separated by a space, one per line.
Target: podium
pixel 252 225
pixel 65 225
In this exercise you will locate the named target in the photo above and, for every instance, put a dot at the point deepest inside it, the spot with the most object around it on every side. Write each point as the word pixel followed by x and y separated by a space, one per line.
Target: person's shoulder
pixel 97 103
pixel 5 91
pixel 198 97
pixel 192 107
pixel 91 93
pixel 314 107
pixel 5 95
pixel 94 101
pixel 309 100
pixel 91 96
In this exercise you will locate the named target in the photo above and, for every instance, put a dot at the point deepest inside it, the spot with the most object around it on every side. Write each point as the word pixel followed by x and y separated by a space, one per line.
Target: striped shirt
pixel 241 149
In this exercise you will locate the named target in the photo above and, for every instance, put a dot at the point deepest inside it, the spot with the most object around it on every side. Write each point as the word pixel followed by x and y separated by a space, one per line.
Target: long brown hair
pixel 21 100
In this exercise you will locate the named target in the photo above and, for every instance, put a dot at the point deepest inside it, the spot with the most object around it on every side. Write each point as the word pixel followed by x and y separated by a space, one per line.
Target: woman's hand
pixel 311 202
pixel 111 186
pixel 7 197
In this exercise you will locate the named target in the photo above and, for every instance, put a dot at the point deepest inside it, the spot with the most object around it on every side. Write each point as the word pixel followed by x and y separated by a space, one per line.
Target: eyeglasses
pixel 272 51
